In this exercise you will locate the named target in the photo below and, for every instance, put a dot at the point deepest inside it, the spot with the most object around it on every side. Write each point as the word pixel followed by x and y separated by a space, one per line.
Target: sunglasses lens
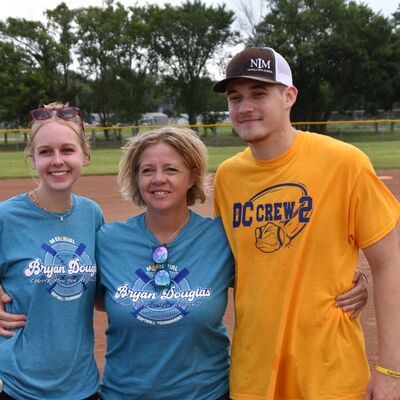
pixel 41 113
pixel 162 278
pixel 160 254
pixel 67 112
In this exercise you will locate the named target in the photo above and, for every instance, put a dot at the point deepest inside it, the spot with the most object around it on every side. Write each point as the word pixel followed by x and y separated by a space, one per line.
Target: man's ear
pixel 291 96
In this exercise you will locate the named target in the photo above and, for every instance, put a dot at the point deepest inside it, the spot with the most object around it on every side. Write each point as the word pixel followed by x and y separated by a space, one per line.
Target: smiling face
pixel 259 110
pixel 57 156
pixel 163 179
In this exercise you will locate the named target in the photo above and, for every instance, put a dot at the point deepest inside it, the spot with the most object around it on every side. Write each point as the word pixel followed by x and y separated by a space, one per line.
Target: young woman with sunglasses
pixel 47 267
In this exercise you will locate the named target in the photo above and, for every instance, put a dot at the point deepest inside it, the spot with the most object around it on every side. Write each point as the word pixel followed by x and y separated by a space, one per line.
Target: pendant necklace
pixel 159 255
pixel 61 217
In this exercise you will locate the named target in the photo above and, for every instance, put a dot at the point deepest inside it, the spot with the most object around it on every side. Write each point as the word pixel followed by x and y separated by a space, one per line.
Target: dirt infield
pixel 103 189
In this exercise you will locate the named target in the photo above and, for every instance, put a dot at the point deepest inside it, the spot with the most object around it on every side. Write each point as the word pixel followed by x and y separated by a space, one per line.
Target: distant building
pixel 154 118
pixel 93 119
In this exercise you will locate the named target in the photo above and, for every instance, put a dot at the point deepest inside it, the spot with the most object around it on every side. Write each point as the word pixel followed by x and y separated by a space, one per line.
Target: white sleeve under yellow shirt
pixel 295 225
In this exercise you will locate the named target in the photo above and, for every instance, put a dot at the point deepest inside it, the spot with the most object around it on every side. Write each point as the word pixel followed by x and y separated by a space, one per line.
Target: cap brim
pixel 220 86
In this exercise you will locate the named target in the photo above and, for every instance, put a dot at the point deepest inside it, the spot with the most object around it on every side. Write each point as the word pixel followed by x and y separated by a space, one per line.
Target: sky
pixel 33 9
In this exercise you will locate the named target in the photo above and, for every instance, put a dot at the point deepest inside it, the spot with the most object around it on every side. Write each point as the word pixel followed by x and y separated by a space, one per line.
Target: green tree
pixel 181 40
pixel 360 51
pixel 342 54
pixel 99 32
pixel 136 85
pixel 111 54
pixel 396 49
pixel 60 25
pixel 40 50
pixel 19 82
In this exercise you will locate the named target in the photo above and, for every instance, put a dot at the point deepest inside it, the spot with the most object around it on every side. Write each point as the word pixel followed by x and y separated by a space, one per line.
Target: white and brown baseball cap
pixel 258 63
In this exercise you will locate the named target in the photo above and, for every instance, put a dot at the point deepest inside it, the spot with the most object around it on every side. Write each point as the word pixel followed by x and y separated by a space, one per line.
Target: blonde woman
pixel 47 267
pixel 166 273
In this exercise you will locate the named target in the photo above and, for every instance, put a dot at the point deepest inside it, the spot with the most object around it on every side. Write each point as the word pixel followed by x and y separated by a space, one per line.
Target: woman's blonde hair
pixel 74 123
pixel 184 141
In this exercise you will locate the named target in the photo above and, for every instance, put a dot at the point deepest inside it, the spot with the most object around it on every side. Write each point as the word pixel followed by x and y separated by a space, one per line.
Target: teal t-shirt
pixel 48 268
pixel 165 342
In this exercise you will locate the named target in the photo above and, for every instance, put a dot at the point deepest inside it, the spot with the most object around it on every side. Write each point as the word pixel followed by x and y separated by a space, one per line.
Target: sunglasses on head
pixel 41 114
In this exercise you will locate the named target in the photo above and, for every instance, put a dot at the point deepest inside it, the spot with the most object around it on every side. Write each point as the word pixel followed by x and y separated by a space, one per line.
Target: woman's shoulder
pixel 15 210
pixel 86 204
pixel 206 222
pixel 13 202
pixel 120 227
pixel 85 201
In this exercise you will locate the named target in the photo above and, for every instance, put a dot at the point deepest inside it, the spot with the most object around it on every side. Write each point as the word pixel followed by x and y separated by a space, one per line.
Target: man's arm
pixel 384 260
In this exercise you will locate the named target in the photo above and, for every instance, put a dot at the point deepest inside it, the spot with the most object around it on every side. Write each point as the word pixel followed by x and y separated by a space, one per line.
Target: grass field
pixel 383 154
pixel 102 162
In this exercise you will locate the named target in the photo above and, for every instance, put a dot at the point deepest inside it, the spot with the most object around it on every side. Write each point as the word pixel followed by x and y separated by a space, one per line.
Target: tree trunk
pixel 192 119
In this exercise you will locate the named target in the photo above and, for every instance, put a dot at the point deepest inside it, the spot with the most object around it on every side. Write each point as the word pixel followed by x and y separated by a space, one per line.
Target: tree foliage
pixel 122 61
pixel 61 25
pixel 29 62
pixel 182 49
pixel 99 31
pixel 18 81
pixel 343 55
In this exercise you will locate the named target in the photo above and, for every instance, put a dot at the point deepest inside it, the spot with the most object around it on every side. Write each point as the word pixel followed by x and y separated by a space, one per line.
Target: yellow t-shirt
pixel 295 224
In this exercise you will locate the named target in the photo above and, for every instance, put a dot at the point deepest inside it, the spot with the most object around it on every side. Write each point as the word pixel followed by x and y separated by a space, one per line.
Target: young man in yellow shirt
pixel 297 207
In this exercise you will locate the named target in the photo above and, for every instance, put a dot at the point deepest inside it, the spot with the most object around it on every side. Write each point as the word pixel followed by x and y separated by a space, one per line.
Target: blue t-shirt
pixel 165 342
pixel 48 268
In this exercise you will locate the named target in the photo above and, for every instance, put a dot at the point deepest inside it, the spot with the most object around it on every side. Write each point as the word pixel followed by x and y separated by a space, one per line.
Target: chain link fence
pixel 223 134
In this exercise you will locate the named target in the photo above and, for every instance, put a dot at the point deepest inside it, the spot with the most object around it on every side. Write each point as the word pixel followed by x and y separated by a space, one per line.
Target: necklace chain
pixel 171 237
pixel 178 230
pixel 61 217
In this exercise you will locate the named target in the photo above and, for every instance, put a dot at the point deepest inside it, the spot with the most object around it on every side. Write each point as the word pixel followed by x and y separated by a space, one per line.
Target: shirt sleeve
pixel 374 211
pixel 216 210
pixel 2 252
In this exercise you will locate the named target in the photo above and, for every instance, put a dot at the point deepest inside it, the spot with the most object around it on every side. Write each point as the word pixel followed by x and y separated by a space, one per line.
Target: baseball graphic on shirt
pixel 282 212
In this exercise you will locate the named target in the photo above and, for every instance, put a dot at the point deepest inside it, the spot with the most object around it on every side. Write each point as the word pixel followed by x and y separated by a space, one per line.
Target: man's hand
pixel 382 387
